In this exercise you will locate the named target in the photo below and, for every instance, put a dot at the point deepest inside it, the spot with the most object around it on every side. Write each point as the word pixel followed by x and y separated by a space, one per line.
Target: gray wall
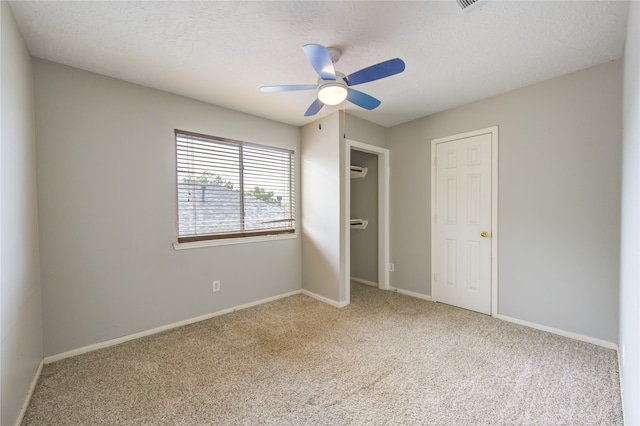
pixel 21 318
pixel 630 253
pixel 559 198
pixel 364 205
pixel 357 129
pixel 106 176
pixel 321 263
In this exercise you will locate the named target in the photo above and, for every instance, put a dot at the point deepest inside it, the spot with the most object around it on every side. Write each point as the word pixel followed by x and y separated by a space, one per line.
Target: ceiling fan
pixel 333 86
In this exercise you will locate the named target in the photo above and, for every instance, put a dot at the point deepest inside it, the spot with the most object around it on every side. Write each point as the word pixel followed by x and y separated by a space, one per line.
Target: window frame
pixel 239 236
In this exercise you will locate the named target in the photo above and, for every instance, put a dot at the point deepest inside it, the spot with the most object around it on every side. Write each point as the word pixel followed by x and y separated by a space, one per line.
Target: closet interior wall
pixel 364 205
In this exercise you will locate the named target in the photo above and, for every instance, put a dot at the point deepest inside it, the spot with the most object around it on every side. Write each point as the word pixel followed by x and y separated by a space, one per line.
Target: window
pixel 230 189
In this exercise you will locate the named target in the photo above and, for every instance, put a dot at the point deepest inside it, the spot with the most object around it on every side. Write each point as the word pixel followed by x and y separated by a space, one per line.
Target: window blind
pixel 230 189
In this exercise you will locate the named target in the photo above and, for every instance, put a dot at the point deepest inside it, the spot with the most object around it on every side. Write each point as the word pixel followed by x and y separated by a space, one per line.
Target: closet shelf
pixel 359 223
pixel 358 172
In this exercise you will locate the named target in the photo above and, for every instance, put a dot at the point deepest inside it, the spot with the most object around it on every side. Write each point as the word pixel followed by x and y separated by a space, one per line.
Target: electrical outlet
pixel 392 267
pixel 216 285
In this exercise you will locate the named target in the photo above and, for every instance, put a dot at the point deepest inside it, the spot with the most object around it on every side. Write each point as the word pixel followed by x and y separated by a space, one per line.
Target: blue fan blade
pixel 362 99
pixel 315 107
pixel 320 61
pixel 289 88
pixel 376 72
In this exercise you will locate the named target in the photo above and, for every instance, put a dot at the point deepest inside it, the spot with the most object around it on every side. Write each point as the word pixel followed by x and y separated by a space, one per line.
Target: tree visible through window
pixel 229 189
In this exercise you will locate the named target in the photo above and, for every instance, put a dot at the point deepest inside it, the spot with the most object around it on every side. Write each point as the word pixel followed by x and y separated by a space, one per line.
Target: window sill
pixel 230 241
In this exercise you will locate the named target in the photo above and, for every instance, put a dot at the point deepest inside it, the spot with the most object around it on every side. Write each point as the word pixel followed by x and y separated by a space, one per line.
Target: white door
pixel 462 222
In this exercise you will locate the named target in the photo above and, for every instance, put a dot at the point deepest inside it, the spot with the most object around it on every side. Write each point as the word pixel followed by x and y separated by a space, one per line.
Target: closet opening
pixel 368 212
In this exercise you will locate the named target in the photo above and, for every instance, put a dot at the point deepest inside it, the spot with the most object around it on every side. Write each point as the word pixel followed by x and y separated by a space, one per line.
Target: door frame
pixel 493 131
pixel 383 214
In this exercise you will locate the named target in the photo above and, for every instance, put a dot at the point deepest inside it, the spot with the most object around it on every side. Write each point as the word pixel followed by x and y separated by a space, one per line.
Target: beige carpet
pixel 385 359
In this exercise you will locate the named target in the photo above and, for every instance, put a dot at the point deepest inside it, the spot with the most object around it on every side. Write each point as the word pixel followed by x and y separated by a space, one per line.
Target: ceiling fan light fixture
pixel 332 93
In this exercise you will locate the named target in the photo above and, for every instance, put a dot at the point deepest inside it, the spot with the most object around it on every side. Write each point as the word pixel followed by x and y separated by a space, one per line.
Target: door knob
pixel 484 234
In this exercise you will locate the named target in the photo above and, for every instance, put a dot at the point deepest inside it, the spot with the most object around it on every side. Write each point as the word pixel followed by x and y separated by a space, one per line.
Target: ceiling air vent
pixel 469 5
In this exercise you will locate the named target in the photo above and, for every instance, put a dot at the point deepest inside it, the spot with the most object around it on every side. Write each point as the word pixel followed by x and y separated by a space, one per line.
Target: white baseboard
pixel 325 299
pixel 411 293
pixel 27 400
pixel 564 333
pixel 365 282
pixel 112 342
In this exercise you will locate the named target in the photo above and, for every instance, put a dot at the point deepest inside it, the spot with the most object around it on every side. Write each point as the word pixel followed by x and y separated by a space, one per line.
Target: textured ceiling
pixel 222 52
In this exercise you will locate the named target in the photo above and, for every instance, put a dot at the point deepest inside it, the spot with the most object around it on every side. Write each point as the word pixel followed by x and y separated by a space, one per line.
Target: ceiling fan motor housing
pixel 334 54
